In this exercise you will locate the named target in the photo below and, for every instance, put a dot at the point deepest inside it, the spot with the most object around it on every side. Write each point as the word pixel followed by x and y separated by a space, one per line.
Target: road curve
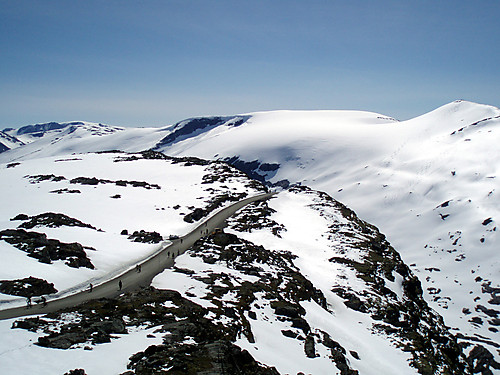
pixel 150 267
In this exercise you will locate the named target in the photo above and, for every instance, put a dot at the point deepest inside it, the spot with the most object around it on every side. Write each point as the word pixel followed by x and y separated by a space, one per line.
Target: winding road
pixel 150 267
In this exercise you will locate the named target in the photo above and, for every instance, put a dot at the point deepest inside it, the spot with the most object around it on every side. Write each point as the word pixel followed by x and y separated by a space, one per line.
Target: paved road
pixel 132 279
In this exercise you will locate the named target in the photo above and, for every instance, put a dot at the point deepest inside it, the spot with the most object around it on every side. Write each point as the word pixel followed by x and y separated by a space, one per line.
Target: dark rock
pixel 412 287
pixel 85 181
pixel 42 128
pixel 145 237
pixel 309 347
pixel 445 204
pixel 45 177
pixel 254 169
pixel 27 287
pixel 490 312
pixel 494 322
pixel 20 217
pixel 192 127
pixel 355 303
pixel 196 215
pixel 78 371
pixel 52 220
pixel 481 360
pixel 29 324
pixel 476 320
pixel 95 181
pixel 287 309
pixel 289 333
pixel 65 190
pixel 354 354
pixel 223 239
pixel 38 246
pixel 487 221
pixel 302 324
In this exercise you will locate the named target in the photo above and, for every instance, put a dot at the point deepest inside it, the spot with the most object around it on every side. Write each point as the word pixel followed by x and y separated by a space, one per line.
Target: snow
pixel 19 355
pixel 395 175
pixel 305 237
pixel 89 137
pixel 137 208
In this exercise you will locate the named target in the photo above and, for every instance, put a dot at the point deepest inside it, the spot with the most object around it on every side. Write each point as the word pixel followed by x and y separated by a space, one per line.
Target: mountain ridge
pixel 429 183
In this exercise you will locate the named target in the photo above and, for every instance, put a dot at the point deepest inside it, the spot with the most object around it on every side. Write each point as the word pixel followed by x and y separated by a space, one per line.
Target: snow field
pixel 19 355
pixel 135 209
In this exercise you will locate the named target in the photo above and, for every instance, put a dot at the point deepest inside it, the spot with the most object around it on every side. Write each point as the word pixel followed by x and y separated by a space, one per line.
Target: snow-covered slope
pixel 430 183
pixel 54 139
pixel 8 142
pixel 90 199
pixel 299 284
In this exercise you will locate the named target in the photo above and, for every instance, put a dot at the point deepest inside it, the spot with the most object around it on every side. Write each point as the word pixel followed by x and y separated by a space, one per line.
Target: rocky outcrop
pixel 195 126
pixel 51 220
pixel 97 181
pixel 145 237
pixel 47 250
pixel 27 287
pixel 209 349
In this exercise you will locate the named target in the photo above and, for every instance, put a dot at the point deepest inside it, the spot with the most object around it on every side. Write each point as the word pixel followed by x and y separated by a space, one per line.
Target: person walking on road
pixel 28 302
pixel 91 287
pixel 120 285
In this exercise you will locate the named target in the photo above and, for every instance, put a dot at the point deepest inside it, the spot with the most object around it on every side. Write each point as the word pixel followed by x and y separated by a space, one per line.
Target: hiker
pixel 139 268
pixel 181 240
pixel 44 301
pixel 28 302
pixel 91 287
pixel 120 285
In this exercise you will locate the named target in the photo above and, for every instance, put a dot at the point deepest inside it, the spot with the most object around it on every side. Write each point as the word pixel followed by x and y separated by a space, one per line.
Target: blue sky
pixel 152 63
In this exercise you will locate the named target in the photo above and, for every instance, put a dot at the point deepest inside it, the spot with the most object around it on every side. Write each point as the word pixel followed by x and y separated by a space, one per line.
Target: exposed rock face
pixel 90 181
pixel 209 349
pixel 27 287
pixel 408 320
pixel 45 177
pixel 47 250
pixel 78 371
pixel 192 127
pixel 51 220
pixel 218 357
pixel 41 128
pixel 254 169
pixel 481 361
pixel 256 216
pixel 145 237
pixel 97 181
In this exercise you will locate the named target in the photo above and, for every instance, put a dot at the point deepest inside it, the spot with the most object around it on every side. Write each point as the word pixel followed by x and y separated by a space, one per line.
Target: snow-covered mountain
pixel 430 184
pixel 51 139
pixel 299 275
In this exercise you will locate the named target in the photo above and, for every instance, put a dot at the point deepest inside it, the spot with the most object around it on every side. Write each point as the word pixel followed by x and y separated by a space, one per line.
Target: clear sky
pixel 152 63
